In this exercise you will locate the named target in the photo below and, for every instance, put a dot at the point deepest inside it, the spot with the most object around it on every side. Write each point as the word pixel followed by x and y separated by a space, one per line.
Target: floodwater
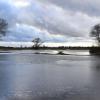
pixel 29 76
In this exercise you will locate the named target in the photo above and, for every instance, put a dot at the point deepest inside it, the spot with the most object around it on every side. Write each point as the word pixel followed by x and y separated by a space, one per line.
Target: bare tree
pixel 37 43
pixel 3 27
pixel 95 32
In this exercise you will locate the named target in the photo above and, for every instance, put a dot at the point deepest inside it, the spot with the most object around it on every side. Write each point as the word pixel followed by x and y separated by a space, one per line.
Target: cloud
pixel 22 32
pixel 20 3
pixel 63 21
pixel 91 7
pixel 51 20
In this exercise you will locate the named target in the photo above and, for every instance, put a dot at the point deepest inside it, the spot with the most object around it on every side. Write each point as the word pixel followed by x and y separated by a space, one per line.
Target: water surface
pixel 29 76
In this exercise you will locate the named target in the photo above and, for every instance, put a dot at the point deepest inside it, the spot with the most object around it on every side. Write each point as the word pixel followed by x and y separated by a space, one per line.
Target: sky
pixel 50 20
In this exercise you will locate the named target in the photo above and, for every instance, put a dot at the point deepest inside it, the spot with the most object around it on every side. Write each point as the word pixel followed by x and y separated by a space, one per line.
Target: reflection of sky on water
pixel 29 76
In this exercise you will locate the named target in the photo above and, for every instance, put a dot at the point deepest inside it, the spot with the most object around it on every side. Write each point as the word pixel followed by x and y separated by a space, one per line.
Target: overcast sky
pixel 51 20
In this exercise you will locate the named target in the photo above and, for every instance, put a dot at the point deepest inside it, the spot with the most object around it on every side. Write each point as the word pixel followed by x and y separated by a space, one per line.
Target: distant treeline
pixel 64 48
pixel 46 48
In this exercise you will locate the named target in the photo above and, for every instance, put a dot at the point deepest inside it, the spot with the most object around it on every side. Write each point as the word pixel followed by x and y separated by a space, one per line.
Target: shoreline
pixel 48 52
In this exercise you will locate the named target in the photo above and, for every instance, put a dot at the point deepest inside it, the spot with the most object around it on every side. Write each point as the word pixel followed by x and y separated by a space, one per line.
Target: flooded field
pixel 28 76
